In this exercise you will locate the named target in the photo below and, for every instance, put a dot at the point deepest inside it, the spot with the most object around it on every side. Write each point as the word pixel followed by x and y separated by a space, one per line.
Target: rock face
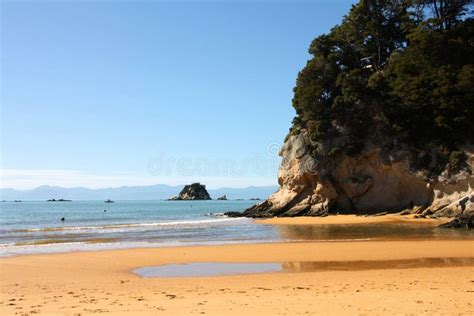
pixel 195 191
pixel 369 183
pixel 465 220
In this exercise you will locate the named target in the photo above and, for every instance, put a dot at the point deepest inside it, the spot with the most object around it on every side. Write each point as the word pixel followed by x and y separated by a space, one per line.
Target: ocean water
pixel 36 227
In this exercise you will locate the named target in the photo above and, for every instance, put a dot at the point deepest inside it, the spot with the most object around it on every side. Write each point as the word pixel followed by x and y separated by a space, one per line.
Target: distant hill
pixel 151 192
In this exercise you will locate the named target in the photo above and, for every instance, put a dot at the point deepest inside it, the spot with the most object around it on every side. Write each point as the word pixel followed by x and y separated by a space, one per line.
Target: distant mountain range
pixel 151 192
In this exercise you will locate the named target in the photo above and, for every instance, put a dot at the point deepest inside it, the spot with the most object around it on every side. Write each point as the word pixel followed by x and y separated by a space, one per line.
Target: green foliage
pixel 391 71
pixel 431 83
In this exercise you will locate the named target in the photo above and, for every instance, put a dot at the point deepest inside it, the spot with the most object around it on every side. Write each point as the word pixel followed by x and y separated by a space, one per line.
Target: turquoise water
pixel 36 227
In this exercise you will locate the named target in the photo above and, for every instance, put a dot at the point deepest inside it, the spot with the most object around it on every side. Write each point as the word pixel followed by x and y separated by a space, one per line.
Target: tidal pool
pixel 206 269
pixel 201 269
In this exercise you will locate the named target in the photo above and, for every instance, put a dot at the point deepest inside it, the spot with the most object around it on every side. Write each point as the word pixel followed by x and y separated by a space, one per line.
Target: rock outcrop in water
pixel 371 182
pixel 195 191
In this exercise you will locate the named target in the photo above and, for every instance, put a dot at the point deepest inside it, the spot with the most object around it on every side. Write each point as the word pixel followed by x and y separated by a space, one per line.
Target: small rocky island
pixel 194 191
pixel 222 198
pixel 58 200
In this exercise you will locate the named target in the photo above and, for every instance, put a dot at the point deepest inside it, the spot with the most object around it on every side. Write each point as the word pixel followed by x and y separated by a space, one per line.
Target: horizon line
pixel 128 186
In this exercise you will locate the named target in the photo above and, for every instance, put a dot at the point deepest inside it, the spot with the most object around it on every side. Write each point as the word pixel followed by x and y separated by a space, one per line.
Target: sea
pixel 35 227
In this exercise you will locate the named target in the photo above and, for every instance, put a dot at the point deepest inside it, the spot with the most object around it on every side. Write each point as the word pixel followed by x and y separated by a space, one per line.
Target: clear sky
pixel 109 93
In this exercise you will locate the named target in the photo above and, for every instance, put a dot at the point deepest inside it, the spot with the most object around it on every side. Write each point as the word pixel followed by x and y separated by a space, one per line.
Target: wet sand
pixel 352 219
pixel 371 277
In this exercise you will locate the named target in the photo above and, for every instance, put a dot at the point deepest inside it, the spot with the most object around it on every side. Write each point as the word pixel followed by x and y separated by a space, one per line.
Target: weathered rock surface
pixel 465 220
pixel 195 191
pixel 369 183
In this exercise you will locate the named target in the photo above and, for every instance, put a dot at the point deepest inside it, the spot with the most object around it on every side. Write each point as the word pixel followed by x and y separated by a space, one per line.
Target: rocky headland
pixel 194 191
pixel 384 118
pixel 372 182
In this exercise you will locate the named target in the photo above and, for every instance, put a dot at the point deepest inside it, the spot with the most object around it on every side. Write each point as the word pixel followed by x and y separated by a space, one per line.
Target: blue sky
pixel 110 93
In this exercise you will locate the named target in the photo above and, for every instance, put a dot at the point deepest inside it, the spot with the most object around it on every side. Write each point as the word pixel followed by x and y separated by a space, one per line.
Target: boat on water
pixel 109 201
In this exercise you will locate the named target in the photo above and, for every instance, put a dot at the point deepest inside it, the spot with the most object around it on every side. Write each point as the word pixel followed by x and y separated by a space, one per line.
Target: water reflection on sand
pixel 313 266
pixel 370 231
pixel 207 269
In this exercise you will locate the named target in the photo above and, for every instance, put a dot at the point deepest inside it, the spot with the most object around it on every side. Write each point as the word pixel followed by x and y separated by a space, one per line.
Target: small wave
pixel 206 222
pixel 9 250
pixel 63 241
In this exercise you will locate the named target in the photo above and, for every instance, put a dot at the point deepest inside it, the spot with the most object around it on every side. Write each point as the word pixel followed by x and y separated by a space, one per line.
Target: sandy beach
pixel 367 278
pixel 237 158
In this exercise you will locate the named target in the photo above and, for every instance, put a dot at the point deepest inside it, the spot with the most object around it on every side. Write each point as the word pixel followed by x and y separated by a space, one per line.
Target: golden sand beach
pixel 362 277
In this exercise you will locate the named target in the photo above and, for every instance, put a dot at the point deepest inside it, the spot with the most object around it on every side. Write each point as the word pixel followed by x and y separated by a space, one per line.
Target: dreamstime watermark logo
pixel 273 149
pixel 265 165
pixel 310 165
pixel 299 156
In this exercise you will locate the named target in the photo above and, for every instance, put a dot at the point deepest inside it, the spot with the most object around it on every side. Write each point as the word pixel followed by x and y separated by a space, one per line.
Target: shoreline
pixel 40 248
pixel 102 281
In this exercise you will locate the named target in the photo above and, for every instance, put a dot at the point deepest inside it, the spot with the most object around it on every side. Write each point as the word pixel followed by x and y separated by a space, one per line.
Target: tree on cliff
pixel 392 72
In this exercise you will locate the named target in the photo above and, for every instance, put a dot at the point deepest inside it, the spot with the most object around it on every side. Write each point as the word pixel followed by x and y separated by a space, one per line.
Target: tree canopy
pixel 393 72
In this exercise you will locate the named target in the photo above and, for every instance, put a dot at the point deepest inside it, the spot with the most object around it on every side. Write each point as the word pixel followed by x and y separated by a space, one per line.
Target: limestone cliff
pixel 371 182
